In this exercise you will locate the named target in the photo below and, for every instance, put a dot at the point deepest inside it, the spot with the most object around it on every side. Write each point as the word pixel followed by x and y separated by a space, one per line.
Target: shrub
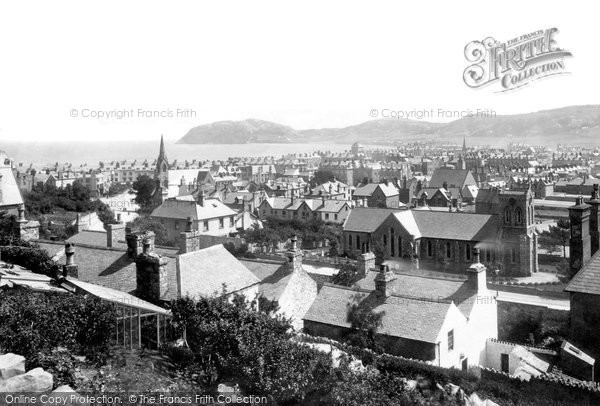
pixel 40 322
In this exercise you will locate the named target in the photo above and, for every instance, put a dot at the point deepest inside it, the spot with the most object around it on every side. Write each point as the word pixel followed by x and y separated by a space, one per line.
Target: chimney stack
pixel 476 273
pixel 70 269
pixel 151 272
pixel 114 233
pixel 294 255
pixel 383 285
pixel 579 216
pixel 365 263
pixel 594 202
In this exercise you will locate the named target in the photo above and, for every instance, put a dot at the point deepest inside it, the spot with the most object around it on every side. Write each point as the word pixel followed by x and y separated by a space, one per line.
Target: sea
pixel 90 153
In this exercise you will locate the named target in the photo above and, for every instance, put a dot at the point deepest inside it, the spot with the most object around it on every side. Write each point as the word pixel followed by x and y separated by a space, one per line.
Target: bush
pixel 40 322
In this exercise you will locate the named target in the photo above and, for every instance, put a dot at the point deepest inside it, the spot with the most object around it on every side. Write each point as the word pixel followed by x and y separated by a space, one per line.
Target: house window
pixel 231 222
pixel 468 252
pixel 205 225
pixel 221 225
pixel 450 340
pixel 335 216
pixel 488 255
pixel 504 362
pixel 448 250
pixel 429 249
pixel 326 216
pixel 176 225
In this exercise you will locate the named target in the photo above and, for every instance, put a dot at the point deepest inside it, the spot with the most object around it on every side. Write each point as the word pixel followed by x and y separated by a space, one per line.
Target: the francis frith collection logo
pixel 514 63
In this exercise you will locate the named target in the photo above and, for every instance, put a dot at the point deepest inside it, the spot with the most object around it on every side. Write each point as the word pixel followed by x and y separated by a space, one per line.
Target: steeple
pixel 464 148
pixel 161 172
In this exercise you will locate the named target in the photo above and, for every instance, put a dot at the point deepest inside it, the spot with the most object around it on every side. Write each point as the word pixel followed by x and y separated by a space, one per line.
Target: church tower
pixel 161 172
pixel 517 216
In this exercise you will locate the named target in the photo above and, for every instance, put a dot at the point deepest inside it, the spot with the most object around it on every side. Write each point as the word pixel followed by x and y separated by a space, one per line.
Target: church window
pixel 429 249
pixel 518 215
pixel 468 252
pixel 357 242
pixel 513 255
pixel 385 239
pixel 392 247
pixel 399 246
pixel 448 250
pixel 507 215
pixel 350 240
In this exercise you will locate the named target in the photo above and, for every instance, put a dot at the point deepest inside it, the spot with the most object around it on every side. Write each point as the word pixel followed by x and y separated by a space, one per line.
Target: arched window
pixel 468 252
pixel 507 215
pixel 392 246
pixel 350 241
pixel 518 215
pixel 400 246
pixel 448 250
pixel 357 242
pixel 429 249
pixel 385 239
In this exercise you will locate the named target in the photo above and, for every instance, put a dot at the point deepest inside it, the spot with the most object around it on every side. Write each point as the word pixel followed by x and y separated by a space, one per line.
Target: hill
pixel 579 124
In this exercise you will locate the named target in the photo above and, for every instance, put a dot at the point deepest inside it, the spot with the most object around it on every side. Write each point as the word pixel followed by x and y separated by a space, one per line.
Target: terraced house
pixel 332 211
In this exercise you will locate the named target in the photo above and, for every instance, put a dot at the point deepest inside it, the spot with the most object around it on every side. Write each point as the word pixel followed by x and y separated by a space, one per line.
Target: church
pixel 502 227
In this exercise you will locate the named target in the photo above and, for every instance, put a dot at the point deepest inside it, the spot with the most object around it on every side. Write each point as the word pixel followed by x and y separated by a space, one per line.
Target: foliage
pixel 232 340
pixel 26 254
pixel 365 322
pixel 6 222
pixel 40 322
pixel 145 223
pixel 310 232
pixel 117 189
pixel 144 187
pixel 320 177
pixel 75 197
pixel 237 250
pixel 59 362
pixel 346 276
pixel 556 237
pixel 524 324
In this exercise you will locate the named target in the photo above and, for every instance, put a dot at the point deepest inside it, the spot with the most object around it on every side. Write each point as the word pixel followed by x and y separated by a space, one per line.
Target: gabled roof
pixel 182 209
pixel 453 177
pixel 412 319
pixel 456 226
pixel 587 280
pixel 9 191
pixel 366 219
pixel 370 188
pixel 204 272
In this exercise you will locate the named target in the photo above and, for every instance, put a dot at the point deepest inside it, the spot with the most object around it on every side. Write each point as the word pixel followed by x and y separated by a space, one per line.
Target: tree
pixel 556 237
pixel 321 177
pixel 346 276
pixel 144 187
pixel 365 322
pixel 105 213
pixel 145 223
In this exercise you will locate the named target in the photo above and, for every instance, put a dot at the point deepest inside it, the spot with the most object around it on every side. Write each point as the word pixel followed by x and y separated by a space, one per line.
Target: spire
pixel 162 147
pixel 464 148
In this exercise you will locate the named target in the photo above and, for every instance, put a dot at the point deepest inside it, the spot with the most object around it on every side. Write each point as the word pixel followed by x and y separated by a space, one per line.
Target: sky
pixel 306 64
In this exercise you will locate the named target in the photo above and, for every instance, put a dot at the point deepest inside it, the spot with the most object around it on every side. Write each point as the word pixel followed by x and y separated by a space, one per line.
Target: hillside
pixel 579 124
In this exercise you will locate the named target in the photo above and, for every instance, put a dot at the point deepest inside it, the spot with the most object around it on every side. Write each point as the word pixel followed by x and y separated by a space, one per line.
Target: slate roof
pixel 366 219
pixel 453 177
pixel 413 319
pixel 111 267
pixel 9 191
pixel 587 280
pixel 430 289
pixel 203 272
pixel 456 226
pixel 95 238
pixel 181 209
pixel 368 190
